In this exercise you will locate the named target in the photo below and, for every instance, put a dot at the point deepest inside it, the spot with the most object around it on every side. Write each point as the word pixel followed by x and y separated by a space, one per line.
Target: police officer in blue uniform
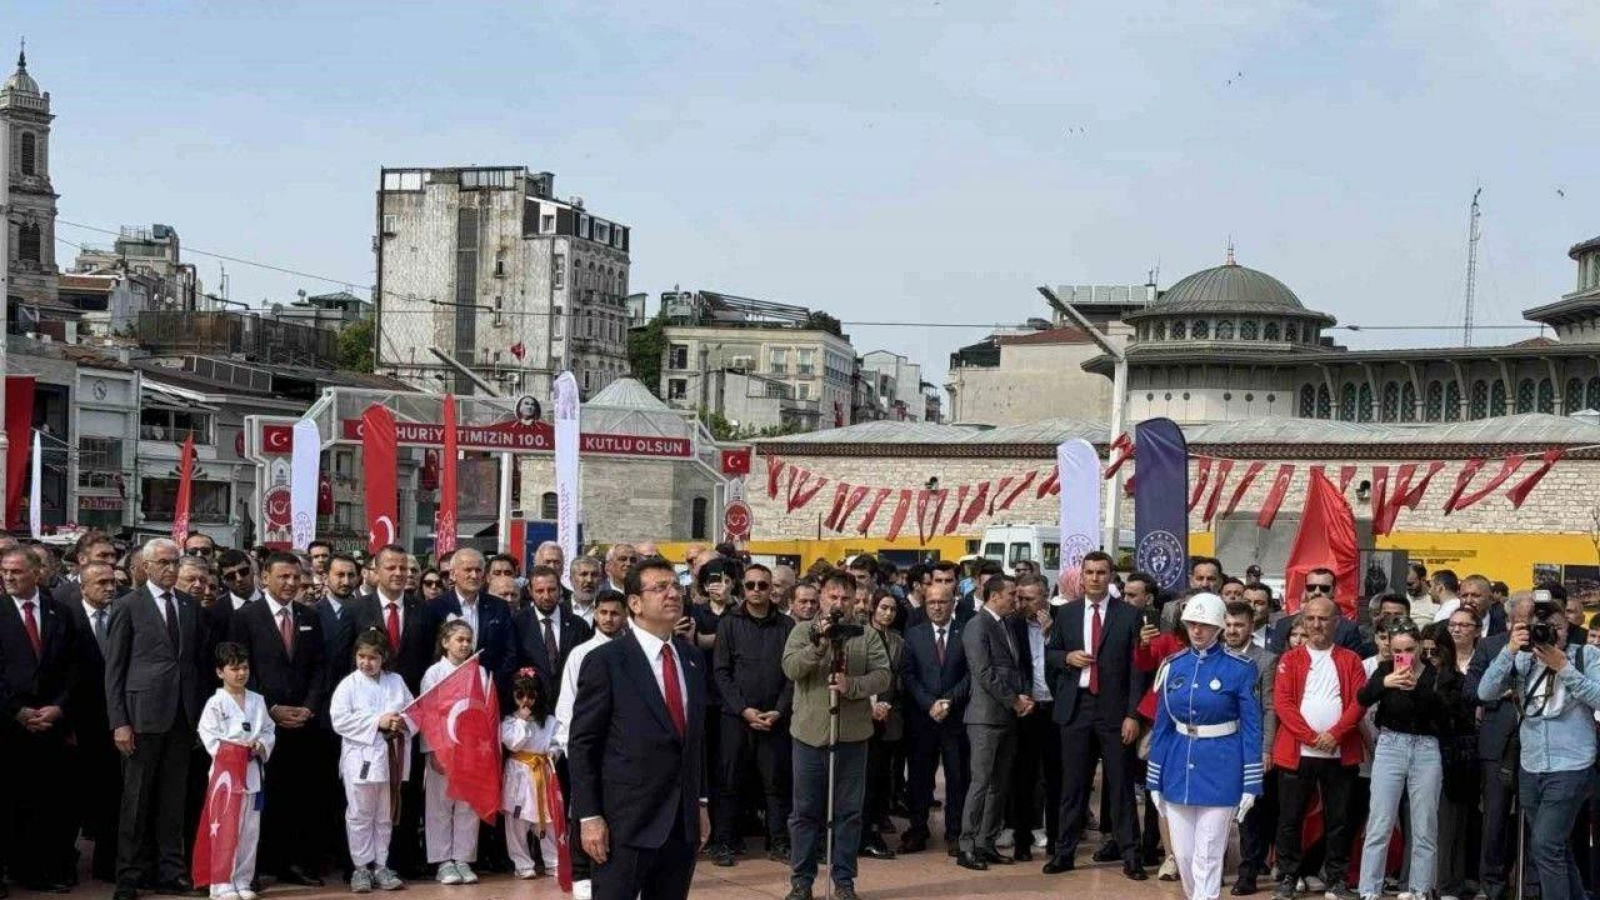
pixel 1205 752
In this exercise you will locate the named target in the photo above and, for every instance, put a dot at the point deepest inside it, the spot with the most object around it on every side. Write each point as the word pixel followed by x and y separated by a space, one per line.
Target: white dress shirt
pixel 554 618
pixel 469 614
pixel 652 651
pixel 1041 687
pixel 399 604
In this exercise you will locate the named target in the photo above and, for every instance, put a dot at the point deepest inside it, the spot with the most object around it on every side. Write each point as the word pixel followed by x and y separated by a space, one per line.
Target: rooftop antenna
pixel 1474 233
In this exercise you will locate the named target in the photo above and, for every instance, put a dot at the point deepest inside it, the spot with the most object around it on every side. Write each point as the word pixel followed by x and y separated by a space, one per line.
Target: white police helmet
pixel 1205 609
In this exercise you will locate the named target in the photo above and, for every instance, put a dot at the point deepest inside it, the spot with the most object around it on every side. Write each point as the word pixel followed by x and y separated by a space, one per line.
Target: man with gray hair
pixel 618 560
pixel 550 554
pixel 585 574
pixel 489 616
pixel 783 582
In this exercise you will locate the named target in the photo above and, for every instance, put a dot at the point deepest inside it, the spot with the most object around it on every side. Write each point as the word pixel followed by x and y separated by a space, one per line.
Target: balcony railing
pixel 257 338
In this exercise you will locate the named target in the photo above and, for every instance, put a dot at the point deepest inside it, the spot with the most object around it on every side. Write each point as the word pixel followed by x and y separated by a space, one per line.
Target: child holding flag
pixel 235 729
pixel 451 825
pixel 531 797
pixel 374 759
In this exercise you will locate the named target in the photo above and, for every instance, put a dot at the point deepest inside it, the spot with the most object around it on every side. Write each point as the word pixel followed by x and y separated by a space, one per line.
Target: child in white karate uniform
pixel 528 736
pixel 235 715
pixel 450 826
pixel 366 714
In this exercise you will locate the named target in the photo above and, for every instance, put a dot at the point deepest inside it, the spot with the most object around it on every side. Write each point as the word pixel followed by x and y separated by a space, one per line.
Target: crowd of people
pixel 1351 752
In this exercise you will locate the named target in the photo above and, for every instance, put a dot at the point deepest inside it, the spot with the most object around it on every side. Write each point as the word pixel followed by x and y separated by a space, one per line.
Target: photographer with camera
pixel 836 668
pixel 1556 688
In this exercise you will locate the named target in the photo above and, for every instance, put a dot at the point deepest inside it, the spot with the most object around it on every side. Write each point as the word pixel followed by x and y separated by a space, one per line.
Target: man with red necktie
pixel 636 748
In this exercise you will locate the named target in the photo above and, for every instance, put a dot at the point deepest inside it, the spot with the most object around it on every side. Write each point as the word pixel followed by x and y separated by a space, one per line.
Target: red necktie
pixel 32 626
pixel 391 623
pixel 938 646
pixel 1094 641
pixel 286 628
pixel 669 686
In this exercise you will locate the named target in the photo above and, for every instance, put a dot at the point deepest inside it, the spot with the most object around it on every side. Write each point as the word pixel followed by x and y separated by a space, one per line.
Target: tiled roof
pixel 1065 335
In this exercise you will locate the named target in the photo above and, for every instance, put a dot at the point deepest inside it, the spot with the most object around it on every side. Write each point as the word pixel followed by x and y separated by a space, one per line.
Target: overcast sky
pixel 883 161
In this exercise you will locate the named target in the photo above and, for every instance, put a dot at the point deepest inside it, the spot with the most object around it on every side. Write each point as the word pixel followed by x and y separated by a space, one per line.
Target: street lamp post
pixel 1119 391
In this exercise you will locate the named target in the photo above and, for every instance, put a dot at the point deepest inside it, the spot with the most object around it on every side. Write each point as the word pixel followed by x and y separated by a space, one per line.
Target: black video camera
pixel 840 630
pixel 1543 630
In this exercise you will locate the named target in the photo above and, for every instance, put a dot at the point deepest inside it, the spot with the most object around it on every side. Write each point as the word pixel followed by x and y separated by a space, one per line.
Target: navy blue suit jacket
pixel 496 640
pixel 926 680
pixel 628 763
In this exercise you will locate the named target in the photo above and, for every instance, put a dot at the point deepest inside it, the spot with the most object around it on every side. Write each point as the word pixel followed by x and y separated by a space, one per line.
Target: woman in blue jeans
pixel 1405 691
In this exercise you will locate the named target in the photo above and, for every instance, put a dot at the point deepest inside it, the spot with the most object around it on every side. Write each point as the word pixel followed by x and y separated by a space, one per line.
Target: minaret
pixel 25 111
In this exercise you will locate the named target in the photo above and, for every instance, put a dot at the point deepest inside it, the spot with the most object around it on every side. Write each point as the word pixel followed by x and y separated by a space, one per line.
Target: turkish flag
pixel 380 451
pixel 180 513
pixel 1326 540
pixel 444 531
pixel 736 462
pixel 217 839
pixel 519 350
pixel 459 718
pixel 558 825
pixel 19 432
pixel 324 495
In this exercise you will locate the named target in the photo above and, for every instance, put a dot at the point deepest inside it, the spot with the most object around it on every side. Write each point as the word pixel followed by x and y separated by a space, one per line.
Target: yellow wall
pixel 835 549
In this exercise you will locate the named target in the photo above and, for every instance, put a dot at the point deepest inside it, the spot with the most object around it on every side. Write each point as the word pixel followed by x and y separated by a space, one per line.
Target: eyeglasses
pixel 163 563
pixel 430 582
pixel 199 551
pixel 757 585
pixel 1319 588
pixel 231 574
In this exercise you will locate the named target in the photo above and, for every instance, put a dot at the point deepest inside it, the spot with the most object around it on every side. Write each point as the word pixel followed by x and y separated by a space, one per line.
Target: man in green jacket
pixel 809 660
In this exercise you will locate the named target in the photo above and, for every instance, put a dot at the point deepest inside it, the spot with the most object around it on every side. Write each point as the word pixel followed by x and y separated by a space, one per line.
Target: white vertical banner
pixel 1079 466
pixel 304 479
pixel 36 493
pixel 566 407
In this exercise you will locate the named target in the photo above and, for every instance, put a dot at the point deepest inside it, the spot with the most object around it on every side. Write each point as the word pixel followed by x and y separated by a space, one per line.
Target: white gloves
pixel 1245 802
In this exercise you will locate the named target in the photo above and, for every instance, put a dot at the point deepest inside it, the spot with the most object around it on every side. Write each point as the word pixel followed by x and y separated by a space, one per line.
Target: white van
pixel 1040 544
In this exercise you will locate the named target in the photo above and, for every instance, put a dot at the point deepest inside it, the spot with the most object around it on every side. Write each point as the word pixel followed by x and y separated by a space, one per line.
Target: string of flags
pixel 935 511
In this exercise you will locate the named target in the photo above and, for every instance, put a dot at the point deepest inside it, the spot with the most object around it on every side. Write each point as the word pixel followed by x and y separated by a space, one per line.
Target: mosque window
pixel 1324 402
pixel 1247 330
pixel 1525 395
pixel 1179 331
pixel 1270 333
pixel 1225 330
pixel 1497 399
pixel 1364 403
pixel 1291 333
pixel 1408 402
pixel 30 153
pixel 1161 331
pixel 1452 402
pixel 1308 402
pixel 1573 399
pixel 1433 407
pixel 1201 329
pixel 1480 401
pixel 549 506
pixel 1347 403
pixel 1390 410
pixel 30 244
pixel 697 519
pixel 1591 398
pixel 1547 396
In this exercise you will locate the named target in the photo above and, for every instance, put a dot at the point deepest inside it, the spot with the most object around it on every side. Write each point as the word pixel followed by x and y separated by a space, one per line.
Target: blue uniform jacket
pixel 1210 687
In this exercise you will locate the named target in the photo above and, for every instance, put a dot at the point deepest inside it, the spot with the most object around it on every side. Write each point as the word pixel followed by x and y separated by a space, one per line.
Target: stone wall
pixel 626 499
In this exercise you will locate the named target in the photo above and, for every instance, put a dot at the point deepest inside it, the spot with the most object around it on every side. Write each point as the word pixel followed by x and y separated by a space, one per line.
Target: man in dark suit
pixel 1097 688
pixel 934 671
pixel 97 777
pixel 636 749
pixel 1346 634
pixel 998 699
pixel 337 609
pixel 1498 725
pixel 544 625
pixel 153 698
pixel 490 617
pixel 288 669
pixel 93 547
pixel 1038 739
pixel 36 656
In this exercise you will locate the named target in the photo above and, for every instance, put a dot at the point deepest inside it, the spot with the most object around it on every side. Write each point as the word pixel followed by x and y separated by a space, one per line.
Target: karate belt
pixel 540 771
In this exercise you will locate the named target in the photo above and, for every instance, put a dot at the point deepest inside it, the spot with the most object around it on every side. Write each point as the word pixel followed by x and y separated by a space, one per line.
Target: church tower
pixel 25 112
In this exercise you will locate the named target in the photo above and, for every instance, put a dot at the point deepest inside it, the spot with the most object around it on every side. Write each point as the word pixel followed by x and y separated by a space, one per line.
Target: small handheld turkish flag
pixel 459 718
pixel 519 350
pixel 217 840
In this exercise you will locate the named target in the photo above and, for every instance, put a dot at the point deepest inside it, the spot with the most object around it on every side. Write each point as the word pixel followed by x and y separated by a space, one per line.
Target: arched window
pixel 1161 331
pixel 1433 402
pixel 1573 400
pixel 1347 403
pixel 1291 333
pixel 1452 402
pixel 1364 403
pixel 1324 402
pixel 1270 333
pixel 1308 401
pixel 1479 408
pixel 1497 399
pixel 1525 395
pixel 697 520
pixel 549 507
pixel 30 153
pixel 1247 330
pixel 1179 331
pixel 1225 330
pixel 30 248
pixel 1201 329
pixel 1389 409
pixel 1408 402
pixel 1547 396
pixel 1591 394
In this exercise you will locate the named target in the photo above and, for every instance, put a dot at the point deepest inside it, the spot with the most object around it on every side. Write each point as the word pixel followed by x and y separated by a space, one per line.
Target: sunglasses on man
pixel 757 585
pixel 1319 588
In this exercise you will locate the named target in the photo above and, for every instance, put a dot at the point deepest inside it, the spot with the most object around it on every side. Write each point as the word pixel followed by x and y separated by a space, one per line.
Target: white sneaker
pixel 1040 839
pixel 448 873
pixel 246 894
pixel 583 890
pixel 467 875
pixel 225 895
pixel 1004 841
pixel 526 874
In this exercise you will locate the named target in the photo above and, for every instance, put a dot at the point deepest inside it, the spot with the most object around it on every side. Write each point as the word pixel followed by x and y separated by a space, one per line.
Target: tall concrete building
pixel 486 268
pixel 25 111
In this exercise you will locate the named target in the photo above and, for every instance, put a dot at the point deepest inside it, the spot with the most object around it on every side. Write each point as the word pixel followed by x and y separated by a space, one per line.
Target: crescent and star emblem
pixel 225 786
pixel 456 709
pixel 388 531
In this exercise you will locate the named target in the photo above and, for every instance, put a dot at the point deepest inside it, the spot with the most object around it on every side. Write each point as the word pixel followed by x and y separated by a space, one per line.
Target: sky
pixel 907 162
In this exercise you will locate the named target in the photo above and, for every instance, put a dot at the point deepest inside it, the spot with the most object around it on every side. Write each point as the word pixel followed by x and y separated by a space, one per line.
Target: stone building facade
pixel 25 115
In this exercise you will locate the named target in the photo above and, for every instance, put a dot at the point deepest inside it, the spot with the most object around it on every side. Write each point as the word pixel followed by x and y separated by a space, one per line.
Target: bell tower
pixel 25 112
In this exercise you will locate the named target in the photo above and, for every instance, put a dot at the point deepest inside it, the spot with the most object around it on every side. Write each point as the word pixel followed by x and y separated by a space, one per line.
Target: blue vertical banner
pixel 1161 503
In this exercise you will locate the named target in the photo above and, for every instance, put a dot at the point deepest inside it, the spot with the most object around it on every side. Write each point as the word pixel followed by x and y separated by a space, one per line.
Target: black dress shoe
pixel 298 875
pixel 1107 853
pixel 1134 872
pixel 971 862
pixel 877 850
pixel 953 849
pixel 1056 866
pixel 1024 852
pixel 125 891
pixel 992 858
pixel 1245 886
pixel 913 844
pixel 179 887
